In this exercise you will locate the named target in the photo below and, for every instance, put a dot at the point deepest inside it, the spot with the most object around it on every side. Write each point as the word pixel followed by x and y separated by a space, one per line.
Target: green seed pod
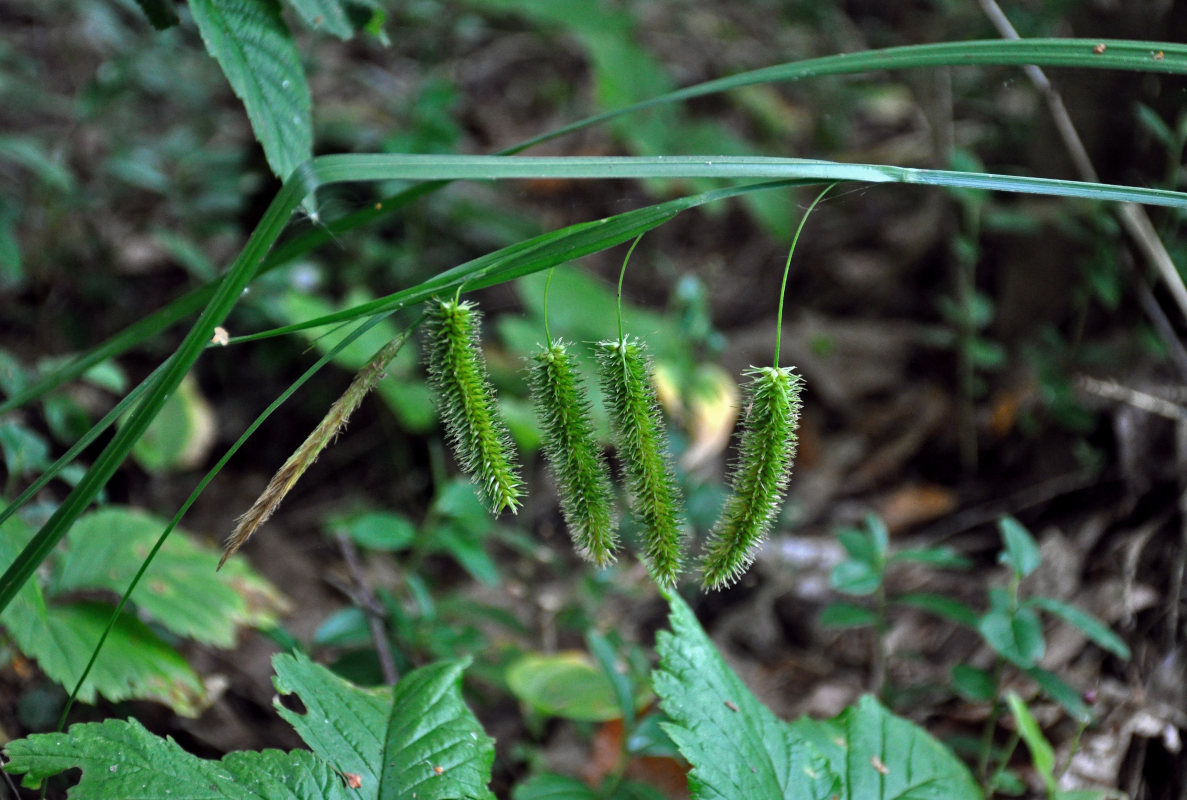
pixel 643 451
pixel 466 400
pixel 582 478
pixel 759 477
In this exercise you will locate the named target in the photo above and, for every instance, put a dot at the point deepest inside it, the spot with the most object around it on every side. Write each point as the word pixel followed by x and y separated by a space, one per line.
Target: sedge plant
pixel 395 758
pixel 767 451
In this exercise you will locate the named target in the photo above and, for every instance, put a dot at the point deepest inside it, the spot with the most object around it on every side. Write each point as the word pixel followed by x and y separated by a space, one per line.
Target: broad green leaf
pixel 1021 553
pixel 847 615
pixel 856 577
pixel 940 605
pixel 325 15
pixel 1089 625
pixel 122 759
pixel 889 757
pixel 181 589
pixel 134 662
pixel 1040 749
pixel 367 744
pixel 376 530
pixel 24 450
pixel 435 747
pixel 858 544
pixel 566 684
pixel 343 724
pixel 737 748
pixel 1017 636
pixel 181 435
pixel 974 684
pixel 256 52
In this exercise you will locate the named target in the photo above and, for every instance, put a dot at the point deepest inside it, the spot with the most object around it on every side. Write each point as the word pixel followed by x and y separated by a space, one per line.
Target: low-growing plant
pixel 1010 625
pixel 419 739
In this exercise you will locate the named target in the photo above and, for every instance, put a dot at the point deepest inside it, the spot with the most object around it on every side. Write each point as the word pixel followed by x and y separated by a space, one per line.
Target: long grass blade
pixel 108 461
pixel 1159 57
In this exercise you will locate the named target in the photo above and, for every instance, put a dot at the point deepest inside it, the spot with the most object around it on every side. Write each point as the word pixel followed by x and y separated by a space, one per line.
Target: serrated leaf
pixel 416 741
pixel 738 749
pixel 343 724
pixel 324 15
pixel 347 727
pixel 435 748
pixel 1089 625
pixel 736 746
pixel 566 684
pixel 256 52
pixel 1021 553
pixel 134 662
pixel 122 759
pixel 890 757
pixel 181 590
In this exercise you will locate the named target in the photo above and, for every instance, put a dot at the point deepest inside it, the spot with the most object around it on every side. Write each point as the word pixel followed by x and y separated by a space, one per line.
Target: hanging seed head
pixel 759 477
pixel 573 453
pixel 474 427
pixel 642 446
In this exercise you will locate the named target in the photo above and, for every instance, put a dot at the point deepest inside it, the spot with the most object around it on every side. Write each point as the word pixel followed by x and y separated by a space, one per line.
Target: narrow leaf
pixel 1040 749
pixel 1021 553
pixel 941 606
pixel 1089 625
pixel 256 52
pixel 846 615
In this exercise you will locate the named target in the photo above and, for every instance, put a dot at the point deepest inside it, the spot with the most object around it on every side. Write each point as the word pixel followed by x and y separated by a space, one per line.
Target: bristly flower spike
pixel 765 457
pixel 572 450
pixel 466 400
pixel 642 447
